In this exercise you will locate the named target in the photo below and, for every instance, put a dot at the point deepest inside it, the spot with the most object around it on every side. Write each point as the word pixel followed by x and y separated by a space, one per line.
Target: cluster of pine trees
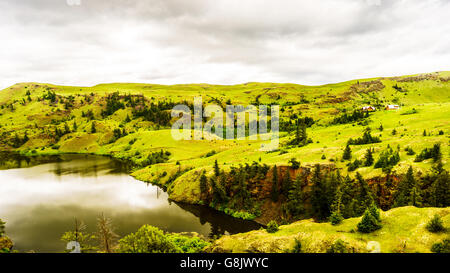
pixel 367 138
pixel 236 190
pixel 156 157
pixel 323 193
pixel 356 115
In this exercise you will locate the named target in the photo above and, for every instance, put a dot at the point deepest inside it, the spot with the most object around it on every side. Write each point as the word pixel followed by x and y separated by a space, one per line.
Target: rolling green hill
pixel 110 119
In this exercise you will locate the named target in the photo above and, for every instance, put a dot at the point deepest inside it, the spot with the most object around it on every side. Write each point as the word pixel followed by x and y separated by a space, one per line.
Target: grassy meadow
pixel 41 119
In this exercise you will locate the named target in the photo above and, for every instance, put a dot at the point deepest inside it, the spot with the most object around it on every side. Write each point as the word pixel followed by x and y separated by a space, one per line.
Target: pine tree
pixel 216 168
pixel 365 195
pixel 441 190
pixel 319 200
pixel 368 158
pixel 75 126
pixel 435 224
pixel 336 208
pixel 296 196
pixel 203 183
pixel 286 183
pixel 66 128
pixel 369 221
pixel 274 193
pixel 93 129
pixel 408 192
pixel 347 153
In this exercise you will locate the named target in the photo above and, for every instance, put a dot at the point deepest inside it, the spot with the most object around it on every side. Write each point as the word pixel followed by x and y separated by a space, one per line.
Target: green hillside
pixel 403 232
pixel 111 119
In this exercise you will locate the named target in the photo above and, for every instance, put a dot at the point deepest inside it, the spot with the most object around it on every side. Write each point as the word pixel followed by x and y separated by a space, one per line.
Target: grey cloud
pixel 221 41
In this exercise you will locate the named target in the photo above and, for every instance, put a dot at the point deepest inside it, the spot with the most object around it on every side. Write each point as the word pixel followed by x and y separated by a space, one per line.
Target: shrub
pixel 272 227
pixel 370 221
pixel 297 247
pixel 336 218
pixel 442 247
pixel 147 239
pixel 2 228
pixel 338 246
pixel 435 224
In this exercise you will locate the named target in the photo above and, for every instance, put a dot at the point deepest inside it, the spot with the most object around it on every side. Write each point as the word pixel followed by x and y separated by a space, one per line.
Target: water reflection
pixel 40 202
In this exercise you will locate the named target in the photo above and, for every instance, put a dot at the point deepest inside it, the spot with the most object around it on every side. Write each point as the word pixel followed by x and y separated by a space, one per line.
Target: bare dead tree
pixel 106 235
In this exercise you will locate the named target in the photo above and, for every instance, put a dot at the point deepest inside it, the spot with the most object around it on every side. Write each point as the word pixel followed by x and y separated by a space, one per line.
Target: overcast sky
pixel 220 41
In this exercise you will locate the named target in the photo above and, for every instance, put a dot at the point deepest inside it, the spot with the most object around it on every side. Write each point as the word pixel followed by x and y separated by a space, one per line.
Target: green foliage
pixel 272 227
pixel 370 221
pixel 441 247
pixel 216 168
pixel 319 201
pixel 113 104
pixel 2 228
pixel 338 246
pixel 408 192
pixel 297 247
pixel 367 138
pixel 336 218
pixel 368 158
pixel 435 224
pixel 427 153
pixel 301 136
pixel 147 239
pixel 294 163
pixel 354 165
pixel 409 151
pixel 337 206
pixel 356 115
pixel 347 153
pixel 203 183
pixel 294 205
pixel 93 128
pixel 275 187
pixel 156 158
pixel 187 244
pixel 388 159
pixel 86 240
pixel 441 189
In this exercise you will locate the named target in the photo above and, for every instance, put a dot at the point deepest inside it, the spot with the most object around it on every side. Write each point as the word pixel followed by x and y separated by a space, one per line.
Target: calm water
pixel 41 196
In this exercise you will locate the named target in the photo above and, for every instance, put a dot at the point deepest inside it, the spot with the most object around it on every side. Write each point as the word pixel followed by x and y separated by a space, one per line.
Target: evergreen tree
pixel 319 200
pixel 347 153
pixel 370 220
pixel 66 128
pixel 75 126
pixel 408 192
pixel 294 164
pixel 435 224
pixel 336 208
pixel 203 183
pixel 93 129
pixel 441 189
pixel 368 158
pixel 216 168
pixel 274 193
pixel 348 198
pixel 296 197
pixel 365 196
pixel 286 183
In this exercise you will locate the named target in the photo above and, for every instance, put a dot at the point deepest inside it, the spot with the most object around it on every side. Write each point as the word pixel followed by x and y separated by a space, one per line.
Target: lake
pixel 40 197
